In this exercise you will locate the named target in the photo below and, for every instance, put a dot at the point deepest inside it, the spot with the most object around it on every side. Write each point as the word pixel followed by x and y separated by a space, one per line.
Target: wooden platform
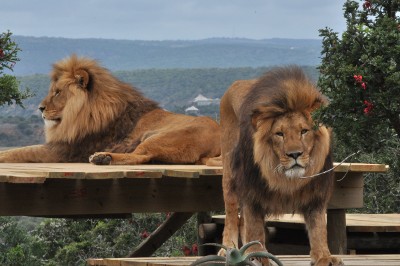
pixel 354 222
pixel 349 260
pixel 84 190
pixel 39 172
pixel 365 233
pixel 76 189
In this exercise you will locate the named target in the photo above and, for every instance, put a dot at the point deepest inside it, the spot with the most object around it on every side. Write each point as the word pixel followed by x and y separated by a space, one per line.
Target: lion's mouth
pixel 52 122
pixel 296 171
pixel 296 166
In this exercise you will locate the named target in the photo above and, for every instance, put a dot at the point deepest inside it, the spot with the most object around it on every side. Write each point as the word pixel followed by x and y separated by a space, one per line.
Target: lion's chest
pixel 283 200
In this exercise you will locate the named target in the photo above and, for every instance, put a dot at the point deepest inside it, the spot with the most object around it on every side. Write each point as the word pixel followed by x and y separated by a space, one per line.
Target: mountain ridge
pixel 39 53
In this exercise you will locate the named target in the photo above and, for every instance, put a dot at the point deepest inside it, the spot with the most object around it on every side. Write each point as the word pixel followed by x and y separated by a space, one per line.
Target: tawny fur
pixel 269 141
pixel 90 113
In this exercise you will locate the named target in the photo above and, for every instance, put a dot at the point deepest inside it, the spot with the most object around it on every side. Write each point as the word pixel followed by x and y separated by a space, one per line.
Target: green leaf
pixel 245 247
pixel 264 254
pixel 216 245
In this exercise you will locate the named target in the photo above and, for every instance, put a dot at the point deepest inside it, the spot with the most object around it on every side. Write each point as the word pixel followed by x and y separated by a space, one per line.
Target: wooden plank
pixel 181 173
pixel 104 175
pixel 373 222
pixel 68 174
pixel 349 260
pixel 26 178
pixel 361 167
pixel 86 170
pixel 348 192
pixel 68 197
pixel 355 222
pixel 144 174
pixel 201 169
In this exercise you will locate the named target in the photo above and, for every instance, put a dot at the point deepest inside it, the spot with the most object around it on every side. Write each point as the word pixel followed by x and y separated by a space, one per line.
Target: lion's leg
pixel 230 237
pixel 317 234
pixel 30 154
pixel 253 230
pixel 177 146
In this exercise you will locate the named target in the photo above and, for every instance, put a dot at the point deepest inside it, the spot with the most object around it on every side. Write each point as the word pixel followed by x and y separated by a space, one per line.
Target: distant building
pixel 192 110
pixel 201 100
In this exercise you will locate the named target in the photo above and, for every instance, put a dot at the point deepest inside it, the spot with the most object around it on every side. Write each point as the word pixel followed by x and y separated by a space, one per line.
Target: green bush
pixel 9 86
pixel 360 74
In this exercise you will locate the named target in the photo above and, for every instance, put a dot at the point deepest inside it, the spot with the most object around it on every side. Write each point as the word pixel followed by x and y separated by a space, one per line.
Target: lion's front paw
pixel 328 261
pixel 262 262
pixel 100 158
pixel 222 252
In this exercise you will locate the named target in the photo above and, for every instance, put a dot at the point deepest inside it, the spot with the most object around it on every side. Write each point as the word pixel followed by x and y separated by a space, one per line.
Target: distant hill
pixel 173 89
pixel 171 72
pixel 38 54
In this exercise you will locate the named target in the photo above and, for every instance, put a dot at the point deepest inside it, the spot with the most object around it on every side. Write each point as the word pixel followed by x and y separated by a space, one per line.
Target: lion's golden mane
pixel 92 110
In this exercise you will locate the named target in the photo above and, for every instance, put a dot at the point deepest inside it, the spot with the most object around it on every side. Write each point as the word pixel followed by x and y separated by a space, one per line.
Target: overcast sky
pixel 171 19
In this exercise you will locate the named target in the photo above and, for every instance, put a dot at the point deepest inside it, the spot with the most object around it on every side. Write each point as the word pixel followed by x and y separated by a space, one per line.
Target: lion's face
pixel 292 139
pixel 287 147
pixel 83 99
pixel 62 105
pixel 53 105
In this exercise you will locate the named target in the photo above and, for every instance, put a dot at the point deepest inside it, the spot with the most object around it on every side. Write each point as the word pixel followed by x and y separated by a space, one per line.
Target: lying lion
pixel 88 113
pixel 272 155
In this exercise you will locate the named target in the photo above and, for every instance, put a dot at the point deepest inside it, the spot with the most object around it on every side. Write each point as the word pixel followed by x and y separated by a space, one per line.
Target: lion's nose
pixel 294 155
pixel 41 108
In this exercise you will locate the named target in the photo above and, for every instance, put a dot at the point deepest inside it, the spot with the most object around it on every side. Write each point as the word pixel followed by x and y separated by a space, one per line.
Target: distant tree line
pixel 174 89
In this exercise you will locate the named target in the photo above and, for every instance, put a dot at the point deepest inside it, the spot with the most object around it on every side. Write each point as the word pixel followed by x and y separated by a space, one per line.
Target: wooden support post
pixel 207 234
pixel 161 234
pixel 203 219
pixel 336 225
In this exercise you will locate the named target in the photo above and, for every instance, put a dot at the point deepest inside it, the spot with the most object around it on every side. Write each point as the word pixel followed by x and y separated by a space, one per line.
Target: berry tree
pixel 360 74
pixel 9 86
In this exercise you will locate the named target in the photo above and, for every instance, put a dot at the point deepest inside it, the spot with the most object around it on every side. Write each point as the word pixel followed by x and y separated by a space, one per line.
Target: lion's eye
pixel 57 92
pixel 304 131
pixel 280 134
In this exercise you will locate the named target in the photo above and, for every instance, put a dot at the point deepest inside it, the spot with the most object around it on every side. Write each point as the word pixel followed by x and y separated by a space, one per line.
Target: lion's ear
pixel 259 115
pixel 255 118
pixel 263 113
pixel 318 103
pixel 82 78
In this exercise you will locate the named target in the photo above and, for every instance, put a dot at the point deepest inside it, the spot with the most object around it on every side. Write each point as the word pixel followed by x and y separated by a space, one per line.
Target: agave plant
pixel 235 257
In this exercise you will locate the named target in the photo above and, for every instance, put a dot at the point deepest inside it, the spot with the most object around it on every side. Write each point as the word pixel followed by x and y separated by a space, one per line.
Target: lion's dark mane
pixel 247 180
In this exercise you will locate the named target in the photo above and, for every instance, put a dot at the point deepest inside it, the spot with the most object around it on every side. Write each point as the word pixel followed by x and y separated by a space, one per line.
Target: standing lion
pixel 270 145
pixel 88 113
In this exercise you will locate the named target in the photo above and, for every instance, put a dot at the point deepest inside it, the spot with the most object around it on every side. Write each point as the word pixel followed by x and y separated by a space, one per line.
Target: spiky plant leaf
pixel 245 247
pixel 234 257
pixel 216 245
pixel 264 254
